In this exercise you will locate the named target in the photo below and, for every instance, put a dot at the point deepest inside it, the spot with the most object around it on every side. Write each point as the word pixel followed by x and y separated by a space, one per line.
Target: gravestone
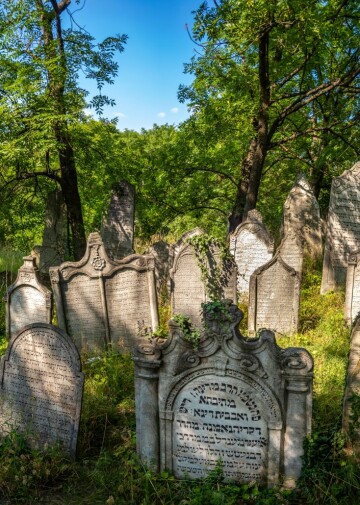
pixel 291 251
pixel 100 301
pixel 301 216
pixel 352 386
pixel 117 228
pixel 352 293
pixel 343 228
pixel 274 298
pixel 55 242
pixel 242 405
pixel 27 300
pixel 189 288
pixel 252 246
pixel 161 252
pixel 41 387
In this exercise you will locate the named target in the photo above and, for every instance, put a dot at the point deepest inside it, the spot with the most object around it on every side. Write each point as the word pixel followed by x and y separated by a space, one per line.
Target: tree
pixel 40 97
pixel 280 75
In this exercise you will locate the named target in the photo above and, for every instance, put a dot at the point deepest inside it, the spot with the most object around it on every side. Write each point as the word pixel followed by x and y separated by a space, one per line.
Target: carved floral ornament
pixel 98 263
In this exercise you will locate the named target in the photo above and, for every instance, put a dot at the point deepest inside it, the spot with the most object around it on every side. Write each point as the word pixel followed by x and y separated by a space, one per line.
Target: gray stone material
pixel 27 300
pixel 41 387
pixel 352 293
pixel 55 242
pixel 252 246
pixel 352 385
pixel 301 215
pixel 343 228
pixel 117 229
pixel 274 298
pixel 161 252
pixel 247 403
pixel 189 288
pixel 291 251
pixel 100 301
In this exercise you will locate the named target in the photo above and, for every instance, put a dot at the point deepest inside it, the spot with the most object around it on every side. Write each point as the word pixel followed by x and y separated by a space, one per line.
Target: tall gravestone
pixel 189 286
pixel 301 216
pixel 100 301
pixel 245 405
pixel 161 252
pixel 252 246
pixel 27 300
pixel 352 386
pixel 41 387
pixel 352 293
pixel 291 251
pixel 274 298
pixel 117 229
pixel 343 228
pixel 55 242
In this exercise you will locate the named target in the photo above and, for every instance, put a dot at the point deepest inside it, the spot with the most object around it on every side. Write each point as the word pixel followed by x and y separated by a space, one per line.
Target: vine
pixel 190 334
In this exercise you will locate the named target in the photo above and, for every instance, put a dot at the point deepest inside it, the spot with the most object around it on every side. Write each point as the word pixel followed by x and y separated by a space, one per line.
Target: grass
pixel 108 472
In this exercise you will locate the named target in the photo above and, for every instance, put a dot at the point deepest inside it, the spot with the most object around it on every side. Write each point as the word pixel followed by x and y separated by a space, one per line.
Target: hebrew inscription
pixel 219 419
pixel 42 387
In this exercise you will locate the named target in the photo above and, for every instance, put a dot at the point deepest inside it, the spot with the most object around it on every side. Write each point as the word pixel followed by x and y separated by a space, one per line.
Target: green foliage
pixel 190 334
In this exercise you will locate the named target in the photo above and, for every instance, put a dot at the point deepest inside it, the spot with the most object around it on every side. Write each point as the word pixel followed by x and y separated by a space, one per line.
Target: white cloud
pixel 120 114
pixel 174 110
pixel 161 114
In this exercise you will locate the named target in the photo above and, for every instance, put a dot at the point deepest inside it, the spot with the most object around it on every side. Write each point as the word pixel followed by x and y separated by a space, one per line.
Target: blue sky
pixel 151 67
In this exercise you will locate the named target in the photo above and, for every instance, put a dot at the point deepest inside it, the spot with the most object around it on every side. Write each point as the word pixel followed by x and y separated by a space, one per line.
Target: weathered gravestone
pixel 291 251
pixel 117 229
pixel 41 387
pixel 343 228
pixel 27 300
pixel 252 246
pixel 161 252
pixel 352 293
pixel 242 405
pixel 54 248
pixel 301 215
pixel 100 301
pixel 274 297
pixel 195 278
pixel 352 387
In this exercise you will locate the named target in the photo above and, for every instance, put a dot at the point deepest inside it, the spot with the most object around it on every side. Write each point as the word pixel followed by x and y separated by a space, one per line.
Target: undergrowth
pixel 108 472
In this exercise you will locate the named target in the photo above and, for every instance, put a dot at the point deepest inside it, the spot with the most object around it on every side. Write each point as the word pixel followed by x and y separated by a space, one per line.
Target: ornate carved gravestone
pixel 188 286
pixel 274 297
pixel 252 246
pixel 101 301
pixel 117 229
pixel 41 387
pixel 243 405
pixel 343 228
pixel 54 248
pixel 352 384
pixel 352 294
pixel 302 216
pixel 27 300
pixel 291 251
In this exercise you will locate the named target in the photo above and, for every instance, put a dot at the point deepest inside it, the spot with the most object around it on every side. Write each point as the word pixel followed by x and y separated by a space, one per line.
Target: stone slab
pixel 352 386
pixel 102 302
pixel 41 387
pixel 274 298
pixel 117 229
pixel 246 403
pixel 343 228
pixel 291 251
pixel 27 300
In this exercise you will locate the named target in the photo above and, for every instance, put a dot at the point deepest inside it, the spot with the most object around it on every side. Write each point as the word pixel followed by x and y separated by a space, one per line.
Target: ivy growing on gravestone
pixel 212 273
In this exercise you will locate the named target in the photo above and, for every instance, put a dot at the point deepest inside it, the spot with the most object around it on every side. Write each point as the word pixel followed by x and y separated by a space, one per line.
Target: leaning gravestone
pixel 117 229
pixel 301 216
pixel 274 297
pixel 244 406
pixel 352 293
pixel 252 246
pixel 343 228
pixel 41 387
pixel 352 386
pixel 189 286
pixel 100 301
pixel 54 248
pixel 27 300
